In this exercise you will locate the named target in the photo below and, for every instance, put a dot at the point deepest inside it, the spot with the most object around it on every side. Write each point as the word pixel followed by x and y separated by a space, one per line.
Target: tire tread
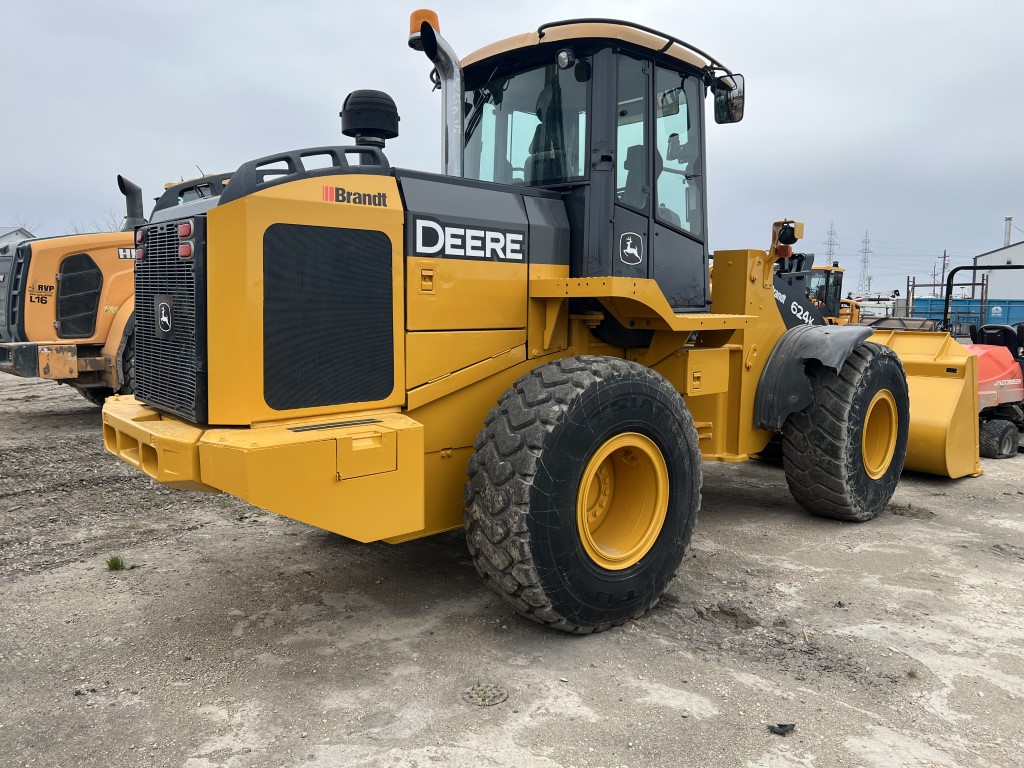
pixel 508 455
pixel 816 449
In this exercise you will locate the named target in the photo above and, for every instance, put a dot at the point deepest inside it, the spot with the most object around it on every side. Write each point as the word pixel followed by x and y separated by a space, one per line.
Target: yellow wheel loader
pixel 799 282
pixel 525 345
pixel 67 303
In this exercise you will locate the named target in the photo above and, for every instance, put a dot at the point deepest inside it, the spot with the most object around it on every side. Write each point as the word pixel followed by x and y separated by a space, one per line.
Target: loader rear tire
pixel 999 439
pixel 128 366
pixel 95 395
pixel 583 492
pixel 843 454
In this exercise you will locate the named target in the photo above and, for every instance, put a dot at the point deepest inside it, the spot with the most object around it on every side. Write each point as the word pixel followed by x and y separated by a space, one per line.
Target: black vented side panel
pixel 6 275
pixel 79 284
pixel 328 336
pixel 12 322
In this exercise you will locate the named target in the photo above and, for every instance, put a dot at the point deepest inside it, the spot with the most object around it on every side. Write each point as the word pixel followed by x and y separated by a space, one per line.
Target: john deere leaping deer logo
pixel 164 320
pixel 631 248
pixel 163 316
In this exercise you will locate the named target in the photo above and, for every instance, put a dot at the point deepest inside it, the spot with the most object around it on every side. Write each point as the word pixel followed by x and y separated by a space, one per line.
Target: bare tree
pixel 109 220
pixel 27 223
pixel 79 228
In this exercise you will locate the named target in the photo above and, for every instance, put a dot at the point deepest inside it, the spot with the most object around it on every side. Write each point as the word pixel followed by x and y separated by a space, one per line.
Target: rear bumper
pixel 20 360
pixel 52 361
pixel 360 475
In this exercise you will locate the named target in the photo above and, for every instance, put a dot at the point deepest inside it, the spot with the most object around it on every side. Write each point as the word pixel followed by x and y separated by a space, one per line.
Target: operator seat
pixel 634 194
pixel 544 162
pixel 1002 336
pixel 664 213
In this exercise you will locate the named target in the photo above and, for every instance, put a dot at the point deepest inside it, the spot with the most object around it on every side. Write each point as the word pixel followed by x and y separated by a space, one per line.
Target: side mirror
pixel 729 99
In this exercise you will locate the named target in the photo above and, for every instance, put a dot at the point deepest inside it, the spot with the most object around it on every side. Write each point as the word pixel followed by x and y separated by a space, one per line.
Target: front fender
pixel 784 387
pixel 120 329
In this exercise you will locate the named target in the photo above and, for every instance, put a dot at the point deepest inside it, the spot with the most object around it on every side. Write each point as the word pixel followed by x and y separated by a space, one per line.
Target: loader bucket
pixel 943 380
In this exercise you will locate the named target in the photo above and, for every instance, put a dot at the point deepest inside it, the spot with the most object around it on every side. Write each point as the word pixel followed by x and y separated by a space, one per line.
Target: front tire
pixel 583 492
pixel 999 439
pixel 843 454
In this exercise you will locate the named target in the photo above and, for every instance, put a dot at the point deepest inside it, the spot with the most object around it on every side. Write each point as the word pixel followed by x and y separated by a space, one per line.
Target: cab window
pixel 631 184
pixel 677 160
pixel 528 127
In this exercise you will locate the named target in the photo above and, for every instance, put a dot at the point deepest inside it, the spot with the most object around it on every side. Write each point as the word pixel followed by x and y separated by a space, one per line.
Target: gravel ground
pixel 238 638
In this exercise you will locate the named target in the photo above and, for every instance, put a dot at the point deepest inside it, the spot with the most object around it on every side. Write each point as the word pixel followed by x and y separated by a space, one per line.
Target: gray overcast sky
pixel 903 119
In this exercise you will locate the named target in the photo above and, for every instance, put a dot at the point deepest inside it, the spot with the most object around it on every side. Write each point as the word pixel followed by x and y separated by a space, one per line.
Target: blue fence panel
pixel 966 311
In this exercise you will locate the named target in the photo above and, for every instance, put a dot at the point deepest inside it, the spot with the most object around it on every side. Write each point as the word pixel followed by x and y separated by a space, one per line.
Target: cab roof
pixel 601 29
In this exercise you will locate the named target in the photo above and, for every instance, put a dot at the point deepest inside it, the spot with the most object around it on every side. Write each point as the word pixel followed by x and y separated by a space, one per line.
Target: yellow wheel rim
pixel 622 501
pixel 881 425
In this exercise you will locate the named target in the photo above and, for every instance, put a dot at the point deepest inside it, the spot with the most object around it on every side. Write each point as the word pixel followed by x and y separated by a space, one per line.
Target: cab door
pixel 678 248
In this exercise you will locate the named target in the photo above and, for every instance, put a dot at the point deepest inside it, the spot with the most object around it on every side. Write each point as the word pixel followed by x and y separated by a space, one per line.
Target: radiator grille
pixel 328 320
pixel 170 358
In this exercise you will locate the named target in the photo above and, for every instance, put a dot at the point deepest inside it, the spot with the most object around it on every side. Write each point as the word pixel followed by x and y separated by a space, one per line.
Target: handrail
pixel 671 40
pixel 949 285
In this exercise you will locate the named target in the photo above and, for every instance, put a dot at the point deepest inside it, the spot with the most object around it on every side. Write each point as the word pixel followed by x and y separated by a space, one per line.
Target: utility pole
pixel 945 266
pixel 864 283
pixel 831 245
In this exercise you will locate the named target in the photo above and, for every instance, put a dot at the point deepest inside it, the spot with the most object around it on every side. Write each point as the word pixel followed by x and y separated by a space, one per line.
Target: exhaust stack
pixel 133 203
pixel 425 35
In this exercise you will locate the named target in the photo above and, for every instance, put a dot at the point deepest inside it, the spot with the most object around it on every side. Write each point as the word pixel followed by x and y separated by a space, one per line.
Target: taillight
pixel 140 235
pixel 185 229
pixel 185 250
pixel 140 254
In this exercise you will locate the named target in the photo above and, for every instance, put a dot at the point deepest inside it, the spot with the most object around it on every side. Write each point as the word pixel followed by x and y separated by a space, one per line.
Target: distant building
pixel 1004 283
pixel 14 235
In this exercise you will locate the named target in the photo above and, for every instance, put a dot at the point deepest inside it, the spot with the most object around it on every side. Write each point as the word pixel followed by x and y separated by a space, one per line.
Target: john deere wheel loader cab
pixel 801 284
pixel 345 343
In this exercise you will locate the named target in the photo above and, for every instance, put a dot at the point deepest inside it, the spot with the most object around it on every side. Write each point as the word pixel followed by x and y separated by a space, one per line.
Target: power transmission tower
pixel 864 283
pixel 831 245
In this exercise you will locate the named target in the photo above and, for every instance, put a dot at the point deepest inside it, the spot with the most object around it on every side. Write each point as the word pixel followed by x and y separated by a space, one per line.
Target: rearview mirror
pixel 729 99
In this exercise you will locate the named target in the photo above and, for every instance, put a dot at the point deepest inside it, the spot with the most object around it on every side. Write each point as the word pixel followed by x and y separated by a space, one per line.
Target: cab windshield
pixel 528 127
pixel 824 287
pixel 817 281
